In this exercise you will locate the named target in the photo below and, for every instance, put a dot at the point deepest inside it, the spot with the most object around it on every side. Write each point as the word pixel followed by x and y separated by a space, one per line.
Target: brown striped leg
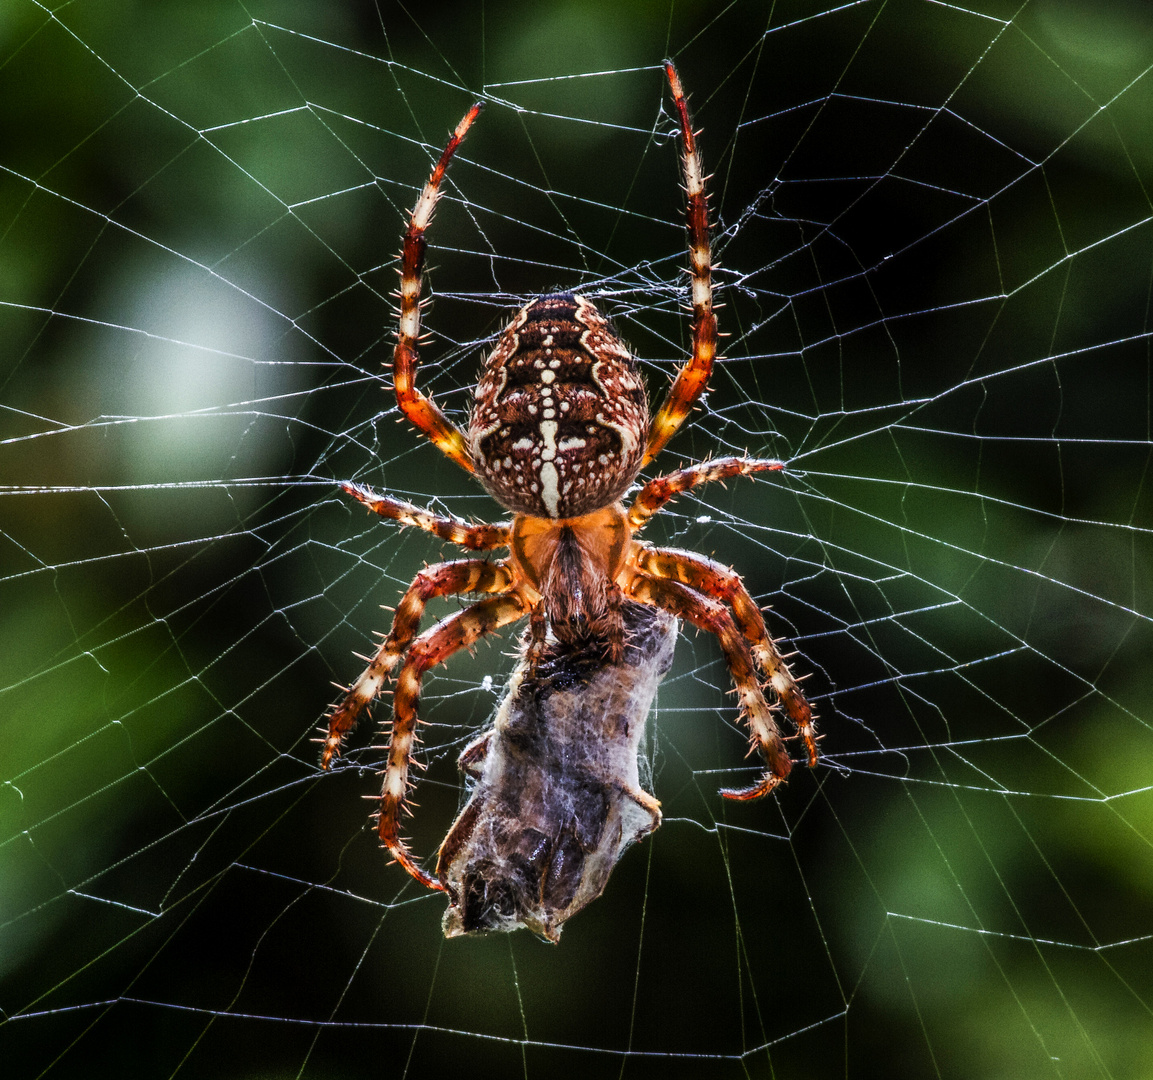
pixel 711 578
pixel 711 615
pixel 481 537
pixel 657 493
pixel 535 638
pixel 418 407
pixel 443 579
pixel 694 375
pixel 433 647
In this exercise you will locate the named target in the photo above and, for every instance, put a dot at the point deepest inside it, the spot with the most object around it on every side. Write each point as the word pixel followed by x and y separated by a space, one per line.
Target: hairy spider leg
pixel 433 647
pixel 711 578
pixel 711 615
pixel 706 576
pixel 694 375
pixel 661 490
pixel 418 407
pixel 466 534
pixel 442 579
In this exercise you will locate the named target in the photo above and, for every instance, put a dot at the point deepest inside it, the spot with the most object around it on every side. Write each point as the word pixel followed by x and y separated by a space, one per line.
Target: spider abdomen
pixel 560 419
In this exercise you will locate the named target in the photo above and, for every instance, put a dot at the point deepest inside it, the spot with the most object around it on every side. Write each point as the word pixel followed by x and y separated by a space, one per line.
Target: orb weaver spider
pixel 559 431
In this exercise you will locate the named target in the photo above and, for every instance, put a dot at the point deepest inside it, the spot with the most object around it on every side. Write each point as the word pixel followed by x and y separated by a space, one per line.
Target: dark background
pixel 934 230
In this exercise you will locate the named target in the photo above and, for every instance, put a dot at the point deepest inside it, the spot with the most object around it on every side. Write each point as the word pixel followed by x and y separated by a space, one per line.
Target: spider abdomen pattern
pixel 560 419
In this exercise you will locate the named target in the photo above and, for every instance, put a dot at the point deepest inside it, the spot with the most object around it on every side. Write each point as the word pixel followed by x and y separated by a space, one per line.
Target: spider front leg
pixel 418 407
pixel 711 578
pixel 443 579
pixel 433 647
pixel 694 375
pixel 711 615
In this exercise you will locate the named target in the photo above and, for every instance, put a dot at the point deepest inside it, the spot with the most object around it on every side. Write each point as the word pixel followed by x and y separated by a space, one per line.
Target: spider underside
pixel 559 431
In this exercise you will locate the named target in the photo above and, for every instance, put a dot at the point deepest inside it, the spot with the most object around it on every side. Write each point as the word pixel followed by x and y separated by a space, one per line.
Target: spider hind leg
pixel 433 647
pixel 709 578
pixel 708 614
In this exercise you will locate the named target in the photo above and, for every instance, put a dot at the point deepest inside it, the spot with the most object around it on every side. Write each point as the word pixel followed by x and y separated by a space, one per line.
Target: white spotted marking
pixel 551 496
pixel 394 784
pixel 549 478
pixel 422 213
pixel 702 293
pixel 548 438
pixel 410 322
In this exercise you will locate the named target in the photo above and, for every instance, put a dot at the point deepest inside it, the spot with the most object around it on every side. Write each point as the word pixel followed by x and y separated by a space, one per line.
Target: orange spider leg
pixel 711 615
pixel 443 579
pixel 703 575
pixel 663 489
pixel 433 647
pixel 694 375
pixel 475 537
pixel 418 407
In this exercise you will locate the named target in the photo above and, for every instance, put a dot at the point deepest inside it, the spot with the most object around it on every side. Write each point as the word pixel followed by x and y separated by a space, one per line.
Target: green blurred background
pixel 936 236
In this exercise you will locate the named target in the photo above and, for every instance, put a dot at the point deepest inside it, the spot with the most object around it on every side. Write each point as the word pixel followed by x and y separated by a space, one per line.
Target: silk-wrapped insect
pixel 557 796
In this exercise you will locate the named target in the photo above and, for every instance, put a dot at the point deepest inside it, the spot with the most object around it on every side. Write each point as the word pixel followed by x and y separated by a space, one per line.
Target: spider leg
pixel 535 638
pixel 660 491
pixel 418 407
pixel 705 576
pixel 694 375
pixel 475 537
pixel 433 647
pixel 443 579
pixel 711 615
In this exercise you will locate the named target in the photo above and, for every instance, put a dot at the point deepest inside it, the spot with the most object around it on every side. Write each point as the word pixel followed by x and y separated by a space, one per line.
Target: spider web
pixel 936 242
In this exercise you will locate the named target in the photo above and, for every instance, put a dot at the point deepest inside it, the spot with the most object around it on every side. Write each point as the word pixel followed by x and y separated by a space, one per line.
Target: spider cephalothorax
pixel 559 431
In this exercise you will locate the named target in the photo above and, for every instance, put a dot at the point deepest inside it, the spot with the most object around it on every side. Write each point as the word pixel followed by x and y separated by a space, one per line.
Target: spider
pixel 559 430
